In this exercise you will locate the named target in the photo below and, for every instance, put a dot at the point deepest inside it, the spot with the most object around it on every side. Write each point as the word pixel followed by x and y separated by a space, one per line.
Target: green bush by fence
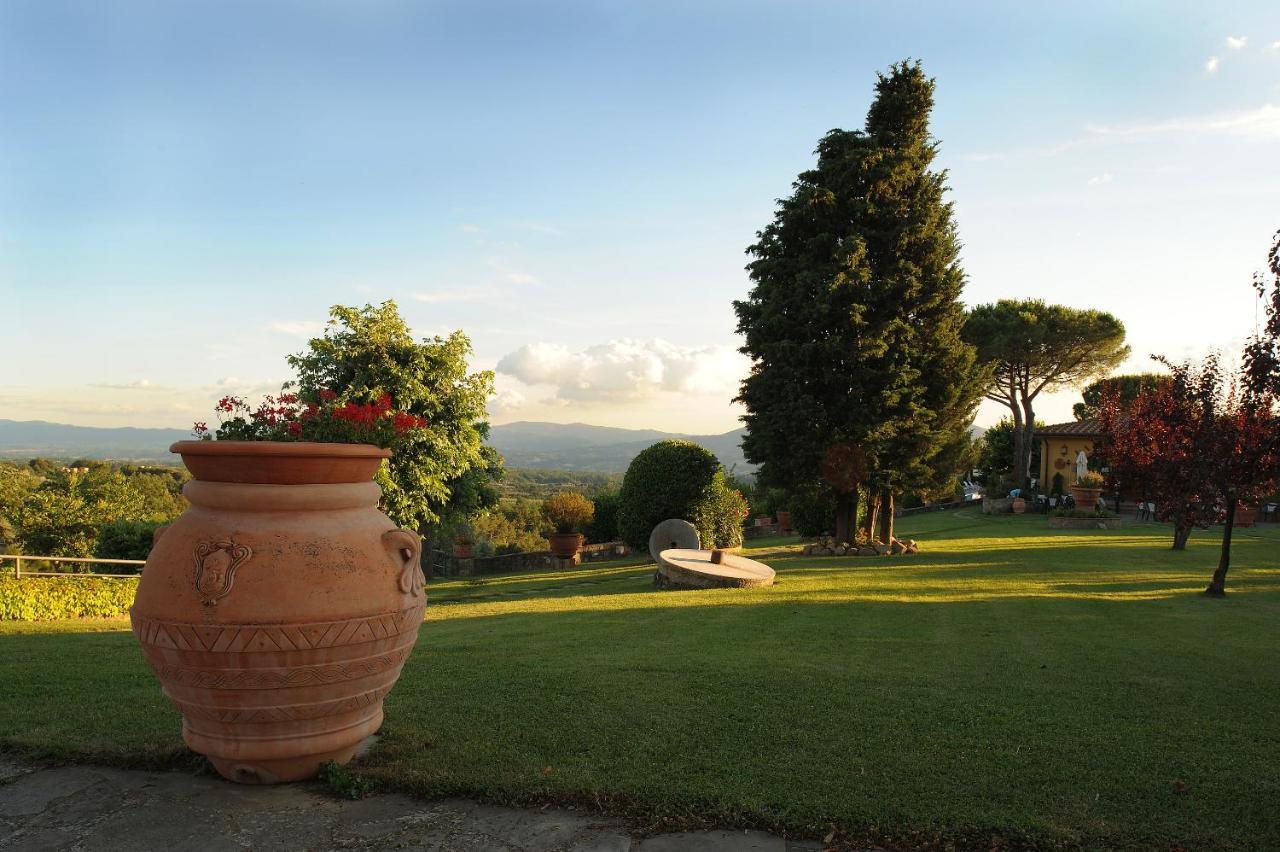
pixel 50 598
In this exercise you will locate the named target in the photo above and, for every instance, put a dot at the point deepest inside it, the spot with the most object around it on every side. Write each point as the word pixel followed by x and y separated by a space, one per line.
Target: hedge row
pixel 51 598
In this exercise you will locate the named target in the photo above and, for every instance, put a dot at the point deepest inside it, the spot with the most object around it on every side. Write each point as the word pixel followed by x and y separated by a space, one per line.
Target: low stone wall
pixel 536 560
pixel 996 505
pixel 1061 523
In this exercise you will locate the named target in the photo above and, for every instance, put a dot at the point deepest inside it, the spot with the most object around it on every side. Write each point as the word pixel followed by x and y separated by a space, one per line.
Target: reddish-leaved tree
pixel 1262 352
pixel 1161 442
pixel 1246 465
pixel 1199 447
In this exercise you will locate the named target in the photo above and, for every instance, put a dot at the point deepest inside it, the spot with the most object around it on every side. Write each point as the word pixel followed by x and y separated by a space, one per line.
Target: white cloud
pixel 512 276
pixel 1236 42
pixel 505 400
pixel 455 295
pixel 140 384
pixel 627 369
pixel 1211 65
pixel 231 384
pixel 1260 123
pixel 470 228
pixel 1098 180
pixel 1275 45
pixel 297 328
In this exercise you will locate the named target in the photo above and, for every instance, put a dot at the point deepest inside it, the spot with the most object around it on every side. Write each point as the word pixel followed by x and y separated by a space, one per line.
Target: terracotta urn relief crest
pixel 279 609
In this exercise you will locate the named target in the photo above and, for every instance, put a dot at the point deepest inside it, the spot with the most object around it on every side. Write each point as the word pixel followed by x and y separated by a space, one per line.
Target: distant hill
pixel 579 446
pixel 558 446
pixel 29 438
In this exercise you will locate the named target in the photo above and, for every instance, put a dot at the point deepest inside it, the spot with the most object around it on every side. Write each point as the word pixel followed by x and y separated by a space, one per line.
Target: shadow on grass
pixel 1062 718
pixel 1056 717
pixel 1116 568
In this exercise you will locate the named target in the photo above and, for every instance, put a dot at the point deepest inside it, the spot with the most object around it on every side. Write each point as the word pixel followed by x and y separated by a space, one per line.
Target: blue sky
pixel 186 188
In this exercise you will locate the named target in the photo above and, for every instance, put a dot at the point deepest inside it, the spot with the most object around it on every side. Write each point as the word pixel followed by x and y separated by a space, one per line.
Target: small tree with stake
pixel 1246 467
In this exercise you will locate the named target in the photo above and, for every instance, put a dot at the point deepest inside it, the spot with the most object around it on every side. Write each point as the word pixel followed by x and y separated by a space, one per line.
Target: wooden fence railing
pixel 19 571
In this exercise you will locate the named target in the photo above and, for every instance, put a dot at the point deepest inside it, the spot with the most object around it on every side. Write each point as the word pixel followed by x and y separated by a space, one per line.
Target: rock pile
pixel 828 546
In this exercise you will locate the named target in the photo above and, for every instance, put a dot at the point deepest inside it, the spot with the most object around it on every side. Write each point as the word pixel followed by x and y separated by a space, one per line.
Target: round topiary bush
pixel 679 479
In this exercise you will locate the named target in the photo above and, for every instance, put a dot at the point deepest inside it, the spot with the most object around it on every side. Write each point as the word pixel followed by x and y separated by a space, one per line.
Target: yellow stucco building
pixel 1060 447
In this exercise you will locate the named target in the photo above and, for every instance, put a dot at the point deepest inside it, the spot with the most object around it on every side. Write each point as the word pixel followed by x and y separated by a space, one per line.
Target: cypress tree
pixel 854 318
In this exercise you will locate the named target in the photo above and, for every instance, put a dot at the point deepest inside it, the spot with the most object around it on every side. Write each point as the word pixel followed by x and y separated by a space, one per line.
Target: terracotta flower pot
pixel 1018 505
pixel 784 521
pixel 1086 498
pixel 565 545
pixel 278 610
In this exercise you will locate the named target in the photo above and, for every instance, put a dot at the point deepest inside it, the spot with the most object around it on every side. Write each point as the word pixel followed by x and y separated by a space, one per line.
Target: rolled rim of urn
pixel 278 611
pixel 280 462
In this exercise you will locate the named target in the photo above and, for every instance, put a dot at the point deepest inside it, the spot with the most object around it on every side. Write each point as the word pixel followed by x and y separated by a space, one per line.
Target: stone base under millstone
pixel 693 569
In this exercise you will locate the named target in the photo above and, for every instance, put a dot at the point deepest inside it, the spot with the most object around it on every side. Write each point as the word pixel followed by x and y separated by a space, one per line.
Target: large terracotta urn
pixel 565 545
pixel 1086 498
pixel 278 610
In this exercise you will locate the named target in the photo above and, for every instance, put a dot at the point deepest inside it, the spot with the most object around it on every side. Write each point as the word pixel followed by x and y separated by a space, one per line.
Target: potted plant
pixel 278 610
pixel 1087 489
pixel 568 512
pixel 784 522
pixel 1018 504
pixel 463 542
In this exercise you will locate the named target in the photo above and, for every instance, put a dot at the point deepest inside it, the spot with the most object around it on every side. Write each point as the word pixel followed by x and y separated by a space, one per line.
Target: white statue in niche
pixel 1082 465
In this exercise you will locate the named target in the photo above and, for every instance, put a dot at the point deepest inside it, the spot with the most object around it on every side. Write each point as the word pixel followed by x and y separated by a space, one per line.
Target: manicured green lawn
pixel 1048 687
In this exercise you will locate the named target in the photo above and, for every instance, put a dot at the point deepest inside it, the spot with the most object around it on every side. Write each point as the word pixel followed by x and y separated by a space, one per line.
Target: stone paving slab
pixel 91 808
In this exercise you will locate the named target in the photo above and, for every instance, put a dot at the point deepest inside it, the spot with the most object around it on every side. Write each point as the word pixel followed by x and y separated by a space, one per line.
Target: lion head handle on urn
pixel 407 545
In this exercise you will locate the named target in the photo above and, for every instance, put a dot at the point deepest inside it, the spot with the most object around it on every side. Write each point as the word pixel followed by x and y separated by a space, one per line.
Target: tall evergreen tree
pixel 854 319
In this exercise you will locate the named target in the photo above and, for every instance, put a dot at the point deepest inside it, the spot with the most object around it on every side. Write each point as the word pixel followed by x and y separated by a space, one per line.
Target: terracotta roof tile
pixel 1089 427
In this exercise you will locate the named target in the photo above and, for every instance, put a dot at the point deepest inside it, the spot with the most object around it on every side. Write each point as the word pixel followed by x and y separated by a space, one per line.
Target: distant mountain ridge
pixel 565 446
pixel 29 438
pixel 608 449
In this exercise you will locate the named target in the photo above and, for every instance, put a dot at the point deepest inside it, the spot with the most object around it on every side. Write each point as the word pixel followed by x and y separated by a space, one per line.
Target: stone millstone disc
pixel 693 569
pixel 672 533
